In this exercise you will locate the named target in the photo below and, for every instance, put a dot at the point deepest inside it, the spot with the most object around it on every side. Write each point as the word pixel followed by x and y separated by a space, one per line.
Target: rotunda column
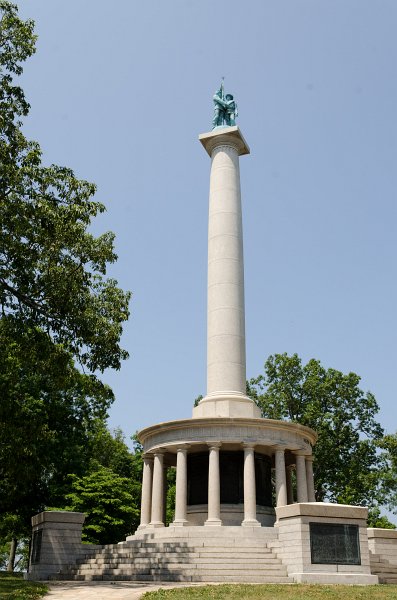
pixel 146 498
pixel 158 491
pixel 250 519
pixel 281 480
pixel 165 492
pixel 310 479
pixel 181 487
pixel 214 486
pixel 301 482
pixel 290 489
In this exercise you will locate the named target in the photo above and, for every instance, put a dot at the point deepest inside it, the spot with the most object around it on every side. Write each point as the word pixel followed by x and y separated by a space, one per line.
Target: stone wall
pixel 383 543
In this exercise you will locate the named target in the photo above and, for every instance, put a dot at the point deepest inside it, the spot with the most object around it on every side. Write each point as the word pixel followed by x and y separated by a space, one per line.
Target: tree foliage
pixel 58 307
pixel 347 461
pixel 52 270
pixel 109 503
pixel 389 471
pixel 46 412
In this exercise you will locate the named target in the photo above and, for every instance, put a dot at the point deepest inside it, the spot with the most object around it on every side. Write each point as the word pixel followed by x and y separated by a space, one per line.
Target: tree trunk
pixel 13 550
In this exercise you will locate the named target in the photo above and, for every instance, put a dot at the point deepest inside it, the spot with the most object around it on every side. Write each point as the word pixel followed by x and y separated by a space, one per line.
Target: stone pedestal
pixel 294 543
pixel 56 542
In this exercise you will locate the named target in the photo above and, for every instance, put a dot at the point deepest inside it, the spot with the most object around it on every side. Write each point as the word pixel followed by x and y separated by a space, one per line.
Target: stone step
pixel 191 557
pixel 383 569
pixel 182 566
pixel 194 531
pixel 201 551
pixel 242 556
pixel 230 575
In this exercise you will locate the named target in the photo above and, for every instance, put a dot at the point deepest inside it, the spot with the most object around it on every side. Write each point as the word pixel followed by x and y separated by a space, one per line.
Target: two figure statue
pixel 225 109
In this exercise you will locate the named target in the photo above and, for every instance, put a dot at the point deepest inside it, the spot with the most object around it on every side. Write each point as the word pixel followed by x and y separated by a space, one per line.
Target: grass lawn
pixel 277 592
pixel 13 587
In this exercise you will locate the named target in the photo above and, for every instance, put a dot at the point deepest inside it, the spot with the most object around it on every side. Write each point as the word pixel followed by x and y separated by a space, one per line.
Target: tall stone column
pixel 214 486
pixel 146 499
pixel 281 480
pixel 226 378
pixel 310 479
pixel 249 488
pixel 158 491
pixel 301 483
pixel 181 487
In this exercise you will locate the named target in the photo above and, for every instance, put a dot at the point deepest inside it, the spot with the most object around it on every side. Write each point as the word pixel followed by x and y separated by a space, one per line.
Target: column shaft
pixel 281 480
pixel 311 496
pixel 146 498
pixel 249 488
pixel 214 488
pixel 226 321
pixel 301 483
pixel 158 491
pixel 181 487
pixel 165 491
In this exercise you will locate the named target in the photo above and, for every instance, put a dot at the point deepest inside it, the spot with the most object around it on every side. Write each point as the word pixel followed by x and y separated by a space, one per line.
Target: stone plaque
pixel 334 544
pixel 36 546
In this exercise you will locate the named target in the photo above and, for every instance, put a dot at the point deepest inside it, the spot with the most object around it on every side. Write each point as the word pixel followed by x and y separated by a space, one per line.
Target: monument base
pixel 324 543
pixel 228 405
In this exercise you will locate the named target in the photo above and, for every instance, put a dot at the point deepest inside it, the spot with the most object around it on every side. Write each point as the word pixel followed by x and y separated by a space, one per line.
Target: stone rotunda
pixel 224 455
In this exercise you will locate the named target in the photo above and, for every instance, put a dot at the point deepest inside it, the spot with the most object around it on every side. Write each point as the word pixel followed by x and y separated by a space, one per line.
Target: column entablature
pixel 264 434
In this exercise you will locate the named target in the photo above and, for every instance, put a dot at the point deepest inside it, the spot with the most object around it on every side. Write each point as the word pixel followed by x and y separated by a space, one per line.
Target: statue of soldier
pixel 225 109
pixel 230 110
pixel 219 107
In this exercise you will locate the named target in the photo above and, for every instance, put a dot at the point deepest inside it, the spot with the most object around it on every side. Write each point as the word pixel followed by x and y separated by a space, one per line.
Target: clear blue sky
pixel 120 91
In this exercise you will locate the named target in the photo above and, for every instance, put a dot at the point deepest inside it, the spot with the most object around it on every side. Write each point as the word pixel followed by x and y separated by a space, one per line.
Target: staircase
pixel 195 555
pixel 385 570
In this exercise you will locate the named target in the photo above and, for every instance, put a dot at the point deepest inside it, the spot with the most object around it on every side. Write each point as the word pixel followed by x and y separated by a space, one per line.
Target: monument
pixel 224 455
pixel 240 514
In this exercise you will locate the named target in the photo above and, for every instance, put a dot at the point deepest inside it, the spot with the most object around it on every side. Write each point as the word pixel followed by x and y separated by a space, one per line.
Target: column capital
pixel 214 445
pixel 248 445
pixel 279 448
pixel 227 136
pixel 148 457
pixel 183 447
pixel 301 453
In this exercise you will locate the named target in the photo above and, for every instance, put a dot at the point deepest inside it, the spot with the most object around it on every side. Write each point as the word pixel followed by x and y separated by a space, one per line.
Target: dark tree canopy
pixel 47 411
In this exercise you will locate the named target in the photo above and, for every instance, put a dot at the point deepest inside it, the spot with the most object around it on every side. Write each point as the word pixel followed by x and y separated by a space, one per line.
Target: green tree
pixel 109 503
pixel 47 411
pixel 389 471
pixel 52 270
pixel 346 457
pixel 57 306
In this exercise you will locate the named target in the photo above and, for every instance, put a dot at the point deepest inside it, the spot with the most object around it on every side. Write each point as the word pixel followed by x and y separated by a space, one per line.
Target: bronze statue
pixel 225 109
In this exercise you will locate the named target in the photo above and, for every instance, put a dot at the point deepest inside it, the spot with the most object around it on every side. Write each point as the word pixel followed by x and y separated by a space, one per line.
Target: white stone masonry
pixel 226 376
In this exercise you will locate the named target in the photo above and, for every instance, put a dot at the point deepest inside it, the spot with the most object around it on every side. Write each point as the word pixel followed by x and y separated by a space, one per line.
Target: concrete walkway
pixel 112 590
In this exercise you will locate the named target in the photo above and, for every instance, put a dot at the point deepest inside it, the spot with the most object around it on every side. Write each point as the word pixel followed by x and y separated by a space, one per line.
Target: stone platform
pixel 279 554
pixel 191 554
